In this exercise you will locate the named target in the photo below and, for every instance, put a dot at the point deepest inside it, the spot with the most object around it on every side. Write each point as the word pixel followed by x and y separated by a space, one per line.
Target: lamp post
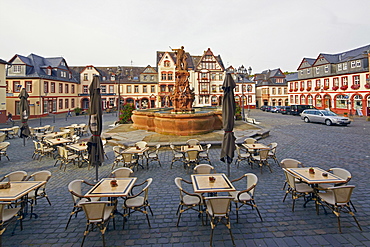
pixel 249 87
pixel 117 75
pixel 241 71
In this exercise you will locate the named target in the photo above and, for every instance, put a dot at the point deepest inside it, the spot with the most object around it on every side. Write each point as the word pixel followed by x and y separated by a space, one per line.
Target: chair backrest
pixel 237 148
pixel 127 157
pixel 264 154
pixel 208 146
pixel 36 145
pixel 41 176
pixel 141 144
pixel 192 142
pixel 340 172
pixel 173 149
pixel 117 151
pixel 76 187
pixel 289 178
pixel 123 172
pixel 273 146
pixel 3 206
pixel 74 125
pixel 204 169
pixel 252 179
pixel 95 210
pixel 342 194
pixel 2 137
pixel 290 163
pixel 219 205
pixel 16 176
pixel 179 186
pixel 4 146
pixel 146 188
pixel 192 155
pixel 157 147
pixel 47 126
pixel 249 140
pixel 51 128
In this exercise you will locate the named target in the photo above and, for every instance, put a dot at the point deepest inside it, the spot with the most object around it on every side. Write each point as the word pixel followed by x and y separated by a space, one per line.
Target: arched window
pixel 341 101
pixel 166 63
pixel 309 99
pixel 303 100
pixel 318 101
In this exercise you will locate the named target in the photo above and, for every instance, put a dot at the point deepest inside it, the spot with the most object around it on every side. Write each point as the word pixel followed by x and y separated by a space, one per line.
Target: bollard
pixel 53 118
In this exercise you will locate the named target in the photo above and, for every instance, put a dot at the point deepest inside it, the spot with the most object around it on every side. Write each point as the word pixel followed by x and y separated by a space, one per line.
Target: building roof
pixel 291 77
pixel 3 61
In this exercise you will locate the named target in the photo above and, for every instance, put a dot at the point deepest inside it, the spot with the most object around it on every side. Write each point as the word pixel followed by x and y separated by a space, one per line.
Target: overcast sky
pixel 262 34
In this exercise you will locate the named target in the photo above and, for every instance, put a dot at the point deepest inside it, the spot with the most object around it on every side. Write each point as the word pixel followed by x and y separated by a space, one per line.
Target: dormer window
pixel 358 63
pixel 48 71
pixel 17 68
pixel 63 74
pixel 308 71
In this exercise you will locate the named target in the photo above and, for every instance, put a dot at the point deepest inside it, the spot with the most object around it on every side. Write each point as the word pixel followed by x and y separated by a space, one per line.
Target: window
pixel 73 103
pixel 213 76
pixel 29 86
pixel 340 67
pixel 302 84
pixel 166 63
pixel 220 77
pixel 279 91
pixel 86 89
pixel 164 76
pixel 152 89
pixel 356 80
pixel 52 87
pixel 353 64
pixel 326 83
pixel 273 91
pixel 111 101
pixel 48 71
pixel 66 103
pixel 63 74
pixel 344 81
pixel 163 88
pixel 308 71
pixel 317 70
pixel 17 86
pixel 73 89
pixel 46 87
pixel 170 76
pixel 103 89
pixel 60 88
pixel 336 82
pixel 296 85
pixel 86 78
pixel 236 88
pixel 344 66
pixel 136 88
pixel 128 89
pixel 358 63
pixel 17 68
pixel 303 100
pixel 170 88
pixel 145 89
pixel 301 72
pixel 111 89
pixel 285 90
pixel 318 83
pixel 214 88
pixel 204 76
pixel 145 77
pixel 326 68
pixel 152 77
pixel 318 101
pixel 60 104
pixel 66 89
pixel 341 101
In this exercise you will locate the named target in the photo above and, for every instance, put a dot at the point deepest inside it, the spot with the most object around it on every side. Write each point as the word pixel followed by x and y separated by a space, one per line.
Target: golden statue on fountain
pixel 182 96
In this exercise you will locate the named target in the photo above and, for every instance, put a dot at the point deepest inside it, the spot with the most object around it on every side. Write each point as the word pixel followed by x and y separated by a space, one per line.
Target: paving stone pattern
pixel 313 144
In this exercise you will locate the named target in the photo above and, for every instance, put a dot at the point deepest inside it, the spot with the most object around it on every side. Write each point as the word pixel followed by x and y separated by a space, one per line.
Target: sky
pixel 263 34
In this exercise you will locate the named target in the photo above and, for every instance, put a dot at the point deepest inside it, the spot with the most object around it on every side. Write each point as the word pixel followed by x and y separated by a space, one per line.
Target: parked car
pixel 323 116
pixel 263 108
pixel 276 109
pixel 268 108
pixel 285 109
pixel 298 109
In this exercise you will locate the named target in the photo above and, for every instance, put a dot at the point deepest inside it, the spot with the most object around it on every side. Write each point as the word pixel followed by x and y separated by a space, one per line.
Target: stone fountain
pixel 183 119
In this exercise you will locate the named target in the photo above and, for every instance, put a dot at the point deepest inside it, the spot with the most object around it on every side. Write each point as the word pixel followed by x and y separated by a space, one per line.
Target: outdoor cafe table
pixel 52 135
pixel 41 129
pixel 20 190
pixel 255 146
pixel 6 130
pixel 104 189
pixel 186 148
pixel 57 141
pixel 79 149
pixel 202 184
pixel 135 150
pixel 316 178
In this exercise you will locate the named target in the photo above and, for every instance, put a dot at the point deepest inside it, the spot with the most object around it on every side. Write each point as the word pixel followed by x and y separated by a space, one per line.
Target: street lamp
pixel 241 71
pixel 249 87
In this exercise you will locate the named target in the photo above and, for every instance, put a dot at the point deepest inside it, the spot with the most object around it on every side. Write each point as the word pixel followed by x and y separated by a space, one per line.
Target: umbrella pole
pixel 96 171
pixel 228 169
pixel 24 141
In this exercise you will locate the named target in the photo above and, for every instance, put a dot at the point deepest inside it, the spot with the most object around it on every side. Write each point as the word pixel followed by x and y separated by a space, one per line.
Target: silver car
pixel 323 116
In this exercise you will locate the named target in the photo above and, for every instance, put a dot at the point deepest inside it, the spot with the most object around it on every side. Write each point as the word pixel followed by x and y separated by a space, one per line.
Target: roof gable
pixel 306 63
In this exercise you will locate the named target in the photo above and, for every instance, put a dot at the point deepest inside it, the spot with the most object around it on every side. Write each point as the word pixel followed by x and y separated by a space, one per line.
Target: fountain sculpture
pixel 183 119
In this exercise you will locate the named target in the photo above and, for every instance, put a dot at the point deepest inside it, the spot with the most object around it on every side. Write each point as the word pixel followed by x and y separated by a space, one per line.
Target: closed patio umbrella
pixel 24 110
pixel 228 113
pixel 95 145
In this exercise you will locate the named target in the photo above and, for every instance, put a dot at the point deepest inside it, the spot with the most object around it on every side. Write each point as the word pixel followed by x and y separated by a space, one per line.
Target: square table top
pixel 255 146
pixel 201 183
pixel 133 150
pixel 53 134
pixel 6 129
pixel 194 147
pixel 19 189
pixel 78 147
pixel 57 141
pixel 317 177
pixel 104 189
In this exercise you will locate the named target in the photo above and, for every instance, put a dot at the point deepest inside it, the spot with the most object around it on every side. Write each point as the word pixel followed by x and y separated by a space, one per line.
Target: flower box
pixel 301 89
pixel 355 86
pixel 345 87
pixel 335 88
pixel 326 87
pixel 309 89
pixel 295 89
pixel 290 90
pixel 367 85
pixel 317 88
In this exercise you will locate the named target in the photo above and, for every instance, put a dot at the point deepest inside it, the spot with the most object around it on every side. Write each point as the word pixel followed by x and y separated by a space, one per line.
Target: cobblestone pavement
pixel 313 144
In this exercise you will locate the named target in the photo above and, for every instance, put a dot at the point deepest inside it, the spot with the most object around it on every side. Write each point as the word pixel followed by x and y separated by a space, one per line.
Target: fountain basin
pixel 203 120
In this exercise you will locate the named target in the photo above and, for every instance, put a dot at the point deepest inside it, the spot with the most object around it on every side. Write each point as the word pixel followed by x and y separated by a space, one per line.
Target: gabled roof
pixel 308 61
pixel 3 61
pixel 273 73
pixel 291 77
pixel 208 52
pixel 189 59
pixel 149 70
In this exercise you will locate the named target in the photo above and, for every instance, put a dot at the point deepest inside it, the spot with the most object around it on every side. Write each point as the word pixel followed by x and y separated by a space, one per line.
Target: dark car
pixel 268 108
pixel 298 109
pixel 285 109
pixel 263 108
